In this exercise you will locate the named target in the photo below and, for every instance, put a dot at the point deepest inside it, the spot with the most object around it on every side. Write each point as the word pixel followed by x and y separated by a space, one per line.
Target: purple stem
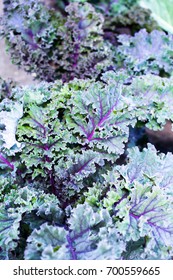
pixel 8 227
pixel 45 147
pixel 80 234
pixel 76 55
pixel 5 161
pixel 41 126
pixel 30 39
pixel 142 214
pixel 70 245
pixel 102 120
pixel 82 167
pixel 170 231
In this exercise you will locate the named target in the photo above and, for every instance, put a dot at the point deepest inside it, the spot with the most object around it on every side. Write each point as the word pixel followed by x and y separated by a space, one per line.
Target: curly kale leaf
pixel 147 213
pixel 16 206
pixel 148 165
pixel 147 52
pixel 139 195
pixel 66 137
pixel 89 235
pixel 9 229
pixel 103 108
pixel 156 94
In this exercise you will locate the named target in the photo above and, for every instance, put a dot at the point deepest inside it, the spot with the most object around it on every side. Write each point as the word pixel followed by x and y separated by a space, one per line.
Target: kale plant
pixel 50 45
pixel 63 194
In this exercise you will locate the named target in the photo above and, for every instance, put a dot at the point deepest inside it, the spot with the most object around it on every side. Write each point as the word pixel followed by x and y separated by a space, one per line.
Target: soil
pixel 163 140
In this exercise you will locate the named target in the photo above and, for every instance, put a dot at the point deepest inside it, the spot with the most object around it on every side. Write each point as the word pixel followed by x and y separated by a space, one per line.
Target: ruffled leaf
pixel 86 238
pixel 147 52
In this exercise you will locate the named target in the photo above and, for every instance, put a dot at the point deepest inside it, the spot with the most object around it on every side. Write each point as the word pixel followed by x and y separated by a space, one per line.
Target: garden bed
pixel 86 148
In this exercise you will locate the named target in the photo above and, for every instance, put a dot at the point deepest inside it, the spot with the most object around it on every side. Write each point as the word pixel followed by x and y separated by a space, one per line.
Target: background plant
pixel 161 12
pixel 147 52
pixel 51 45
pixel 71 40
